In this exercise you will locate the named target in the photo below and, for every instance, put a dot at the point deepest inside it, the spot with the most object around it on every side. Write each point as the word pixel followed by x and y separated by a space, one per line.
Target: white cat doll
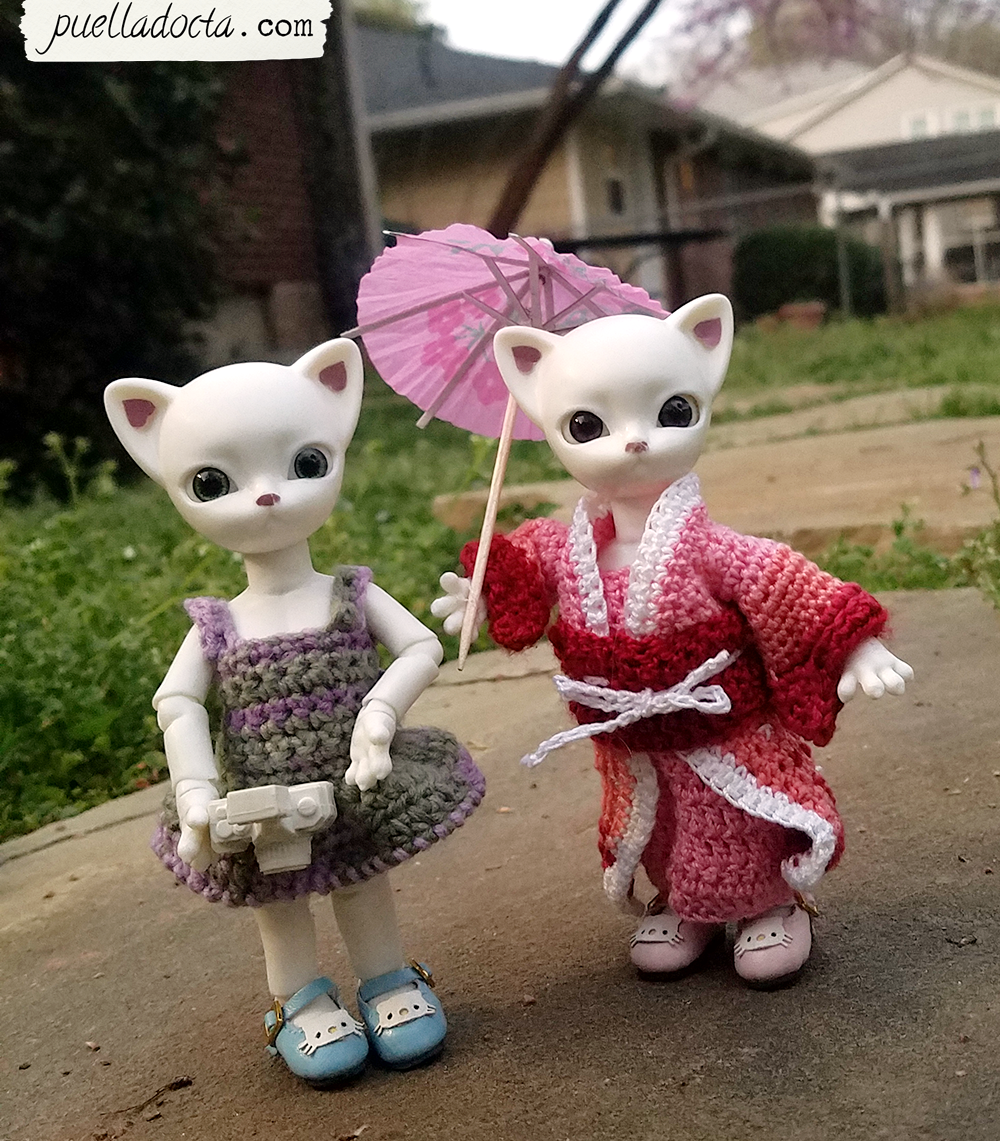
pixel 700 661
pixel 311 787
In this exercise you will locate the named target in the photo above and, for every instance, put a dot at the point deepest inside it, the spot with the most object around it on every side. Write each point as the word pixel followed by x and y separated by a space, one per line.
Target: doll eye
pixel 310 463
pixel 210 483
pixel 586 426
pixel 677 412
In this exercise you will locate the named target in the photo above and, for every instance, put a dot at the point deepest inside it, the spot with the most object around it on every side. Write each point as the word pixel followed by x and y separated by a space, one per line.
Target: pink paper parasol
pixel 428 310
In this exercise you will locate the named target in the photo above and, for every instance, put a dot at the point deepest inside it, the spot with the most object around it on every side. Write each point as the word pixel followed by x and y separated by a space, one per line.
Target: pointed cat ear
pixel 519 350
pixel 338 367
pixel 136 409
pixel 708 323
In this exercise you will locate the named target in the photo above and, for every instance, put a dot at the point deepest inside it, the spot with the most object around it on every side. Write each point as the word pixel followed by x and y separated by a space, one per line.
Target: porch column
pixel 908 244
pixel 933 246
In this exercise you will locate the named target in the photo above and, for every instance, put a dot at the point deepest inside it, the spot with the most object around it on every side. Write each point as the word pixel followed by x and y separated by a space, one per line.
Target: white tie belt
pixel 631 705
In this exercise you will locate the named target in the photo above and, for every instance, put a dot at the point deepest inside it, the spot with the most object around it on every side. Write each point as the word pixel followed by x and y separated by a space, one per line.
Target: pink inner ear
pixel 138 412
pixel 709 333
pixel 334 376
pixel 525 357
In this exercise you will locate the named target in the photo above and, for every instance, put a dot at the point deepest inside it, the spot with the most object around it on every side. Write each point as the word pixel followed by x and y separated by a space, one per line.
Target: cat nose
pixel 268 500
pixel 637 447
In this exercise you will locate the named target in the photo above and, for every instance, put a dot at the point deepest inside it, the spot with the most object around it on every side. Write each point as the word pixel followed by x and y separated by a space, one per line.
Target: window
pixel 986 118
pixel 961 120
pixel 616 195
pixel 918 126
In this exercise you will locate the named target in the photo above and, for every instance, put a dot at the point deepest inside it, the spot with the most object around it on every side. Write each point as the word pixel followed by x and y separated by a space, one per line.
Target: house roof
pixel 921 164
pixel 413 78
pixel 813 92
pixel 854 90
pixel 746 96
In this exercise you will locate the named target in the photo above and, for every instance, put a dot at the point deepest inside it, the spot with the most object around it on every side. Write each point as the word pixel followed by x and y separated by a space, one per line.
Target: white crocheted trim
pixel 723 775
pixel 618 878
pixel 659 538
pixel 663 529
pixel 583 556
pixel 631 706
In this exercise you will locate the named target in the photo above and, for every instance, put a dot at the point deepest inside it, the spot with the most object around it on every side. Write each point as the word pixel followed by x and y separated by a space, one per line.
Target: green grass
pixel 93 587
pixel 93 591
pixel 857 357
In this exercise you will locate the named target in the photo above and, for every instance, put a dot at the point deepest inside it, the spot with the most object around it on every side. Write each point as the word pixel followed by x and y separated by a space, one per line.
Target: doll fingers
pixel 446 606
pixel 847 687
pixel 196 817
pixel 454 585
pixel 453 623
pixel 366 773
pixel 193 848
pixel 870 682
pixel 893 679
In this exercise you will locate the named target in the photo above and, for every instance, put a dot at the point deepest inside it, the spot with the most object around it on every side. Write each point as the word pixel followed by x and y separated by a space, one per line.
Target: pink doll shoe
pixel 664 943
pixel 771 949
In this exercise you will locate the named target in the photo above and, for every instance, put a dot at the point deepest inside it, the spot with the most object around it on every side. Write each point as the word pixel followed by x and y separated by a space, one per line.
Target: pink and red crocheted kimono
pixel 701 672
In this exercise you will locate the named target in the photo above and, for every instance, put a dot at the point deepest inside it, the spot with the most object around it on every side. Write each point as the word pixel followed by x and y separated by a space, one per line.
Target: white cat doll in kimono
pixel 700 661
pixel 310 788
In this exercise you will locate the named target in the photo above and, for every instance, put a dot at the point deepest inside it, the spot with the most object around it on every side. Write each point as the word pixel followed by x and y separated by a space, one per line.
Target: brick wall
pixel 270 236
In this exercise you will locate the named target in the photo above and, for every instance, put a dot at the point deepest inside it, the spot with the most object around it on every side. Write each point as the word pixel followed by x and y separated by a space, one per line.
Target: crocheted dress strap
pixel 355 582
pixel 215 625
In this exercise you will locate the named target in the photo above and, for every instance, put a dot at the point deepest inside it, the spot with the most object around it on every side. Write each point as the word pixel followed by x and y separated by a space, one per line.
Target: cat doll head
pixel 251 455
pixel 625 401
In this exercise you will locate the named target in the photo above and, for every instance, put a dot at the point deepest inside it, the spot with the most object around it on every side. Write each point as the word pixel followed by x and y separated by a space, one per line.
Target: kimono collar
pixel 663 528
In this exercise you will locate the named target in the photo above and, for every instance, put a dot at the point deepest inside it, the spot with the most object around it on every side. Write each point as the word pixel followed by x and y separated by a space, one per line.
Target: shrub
pixel 106 224
pixel 799 263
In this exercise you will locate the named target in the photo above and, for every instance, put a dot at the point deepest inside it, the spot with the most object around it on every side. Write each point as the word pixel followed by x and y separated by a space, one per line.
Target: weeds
pixel 906 565
pixel 979 558
pixel 955 348
pixel 93 590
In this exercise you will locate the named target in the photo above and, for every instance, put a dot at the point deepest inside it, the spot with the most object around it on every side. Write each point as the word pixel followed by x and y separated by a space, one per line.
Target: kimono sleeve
pixel 806 624
pixel 519 589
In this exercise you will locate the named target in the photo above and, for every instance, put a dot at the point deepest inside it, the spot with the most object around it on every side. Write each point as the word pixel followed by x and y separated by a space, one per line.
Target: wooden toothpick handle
pixel 486 534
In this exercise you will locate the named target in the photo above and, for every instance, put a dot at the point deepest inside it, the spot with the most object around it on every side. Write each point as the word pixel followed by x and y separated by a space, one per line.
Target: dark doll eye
pixel 310 463
pixel 677 412
pixel 210 483
pixel 586 426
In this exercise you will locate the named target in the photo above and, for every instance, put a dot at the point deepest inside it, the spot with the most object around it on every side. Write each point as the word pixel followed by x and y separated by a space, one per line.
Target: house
pixel 654 192
pixel 911 155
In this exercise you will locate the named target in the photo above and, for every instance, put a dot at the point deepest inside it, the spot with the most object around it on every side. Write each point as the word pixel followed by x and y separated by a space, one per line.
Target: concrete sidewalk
pixel 808 478
pixel 131 1008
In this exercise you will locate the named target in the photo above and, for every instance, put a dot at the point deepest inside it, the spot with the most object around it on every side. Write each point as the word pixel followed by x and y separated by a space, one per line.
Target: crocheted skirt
pixel 433 787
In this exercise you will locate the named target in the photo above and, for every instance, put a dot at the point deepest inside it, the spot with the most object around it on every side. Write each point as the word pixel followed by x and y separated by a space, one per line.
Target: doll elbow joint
pixel 173 707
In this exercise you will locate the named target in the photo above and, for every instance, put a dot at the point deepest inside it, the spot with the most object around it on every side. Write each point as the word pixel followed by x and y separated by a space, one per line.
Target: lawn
pixel 93 587
pixel 953 349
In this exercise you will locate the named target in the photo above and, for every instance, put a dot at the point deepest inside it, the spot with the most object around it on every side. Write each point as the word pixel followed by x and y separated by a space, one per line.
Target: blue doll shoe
pixel 324 1046
pixel 404 1020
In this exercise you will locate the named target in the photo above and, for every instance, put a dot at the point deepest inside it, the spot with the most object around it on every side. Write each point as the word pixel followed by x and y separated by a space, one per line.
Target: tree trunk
pixel 339 169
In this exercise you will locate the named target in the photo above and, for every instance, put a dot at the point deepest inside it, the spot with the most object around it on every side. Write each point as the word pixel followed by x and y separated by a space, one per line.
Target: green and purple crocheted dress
pixel 289 703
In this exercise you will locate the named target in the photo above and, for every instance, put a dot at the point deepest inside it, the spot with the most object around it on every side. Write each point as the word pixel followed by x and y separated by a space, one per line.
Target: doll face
pixel 624 401
pixel 254 466
pixel 251 455
pixel 626 429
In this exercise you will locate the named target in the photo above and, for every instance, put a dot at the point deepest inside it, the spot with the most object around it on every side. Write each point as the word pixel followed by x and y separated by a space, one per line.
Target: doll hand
pixel 373 733
pixel 876 669
pixel 195 847
pixel 452 604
